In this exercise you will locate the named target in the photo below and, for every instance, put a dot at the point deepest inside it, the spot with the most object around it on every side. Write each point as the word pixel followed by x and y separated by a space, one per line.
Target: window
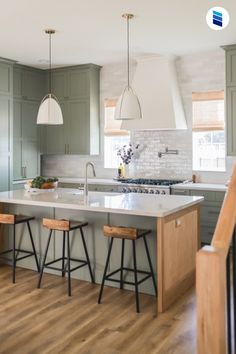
pixel 208 131
pixel 114 136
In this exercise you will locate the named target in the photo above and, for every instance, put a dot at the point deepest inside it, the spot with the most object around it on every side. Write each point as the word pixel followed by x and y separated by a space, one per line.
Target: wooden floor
pixel 46 320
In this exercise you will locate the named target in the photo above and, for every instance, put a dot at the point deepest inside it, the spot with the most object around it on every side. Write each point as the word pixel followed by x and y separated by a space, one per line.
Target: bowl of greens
pixel 40 183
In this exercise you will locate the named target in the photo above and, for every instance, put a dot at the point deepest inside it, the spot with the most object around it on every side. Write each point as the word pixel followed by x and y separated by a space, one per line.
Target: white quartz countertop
pixel 105 181
pixel 201 186
pixel 131 203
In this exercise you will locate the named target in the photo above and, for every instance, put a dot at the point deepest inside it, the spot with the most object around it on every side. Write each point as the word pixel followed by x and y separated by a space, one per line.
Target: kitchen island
pixel 174 221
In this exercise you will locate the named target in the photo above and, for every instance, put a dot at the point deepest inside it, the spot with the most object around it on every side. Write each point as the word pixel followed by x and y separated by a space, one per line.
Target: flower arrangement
pixel 127 152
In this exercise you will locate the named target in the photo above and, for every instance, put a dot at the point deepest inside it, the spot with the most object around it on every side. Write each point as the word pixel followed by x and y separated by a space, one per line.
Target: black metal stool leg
pixel 68 263
pixel 14 255
pixel 135 277
pixel 33 246
pixel 105 271
pixel 44 259
pixel 150 264
pixel 122 263
pixel 63 254
pixel 86 254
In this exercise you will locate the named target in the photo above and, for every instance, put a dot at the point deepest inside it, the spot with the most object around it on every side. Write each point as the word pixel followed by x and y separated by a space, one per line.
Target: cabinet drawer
pixel 207 233
pixel 179 191
pixel 209 214
pixel 209 196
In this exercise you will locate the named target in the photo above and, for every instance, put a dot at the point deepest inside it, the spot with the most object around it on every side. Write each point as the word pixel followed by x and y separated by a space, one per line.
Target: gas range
pixel 149 186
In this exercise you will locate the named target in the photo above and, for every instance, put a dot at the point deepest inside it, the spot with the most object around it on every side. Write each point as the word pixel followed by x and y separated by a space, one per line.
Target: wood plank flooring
pixel 40 321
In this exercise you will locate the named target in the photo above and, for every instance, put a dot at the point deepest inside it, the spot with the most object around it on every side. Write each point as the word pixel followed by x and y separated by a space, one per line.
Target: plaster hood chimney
pixel 155 83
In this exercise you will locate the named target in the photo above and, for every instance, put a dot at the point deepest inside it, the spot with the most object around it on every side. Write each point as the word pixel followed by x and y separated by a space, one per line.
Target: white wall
pixel 196 72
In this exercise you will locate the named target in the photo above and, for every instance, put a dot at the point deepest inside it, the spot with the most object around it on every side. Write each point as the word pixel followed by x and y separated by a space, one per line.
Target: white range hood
pixel 155 83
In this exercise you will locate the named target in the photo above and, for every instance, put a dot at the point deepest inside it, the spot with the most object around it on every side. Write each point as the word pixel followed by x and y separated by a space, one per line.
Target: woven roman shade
pixel 208 111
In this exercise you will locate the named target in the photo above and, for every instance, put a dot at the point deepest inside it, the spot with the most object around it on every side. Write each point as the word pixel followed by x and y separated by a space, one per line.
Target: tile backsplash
pixel 148 163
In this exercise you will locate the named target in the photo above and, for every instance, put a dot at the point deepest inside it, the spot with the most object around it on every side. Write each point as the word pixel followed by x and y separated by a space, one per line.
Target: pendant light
pixel 128 105
pixel 49 110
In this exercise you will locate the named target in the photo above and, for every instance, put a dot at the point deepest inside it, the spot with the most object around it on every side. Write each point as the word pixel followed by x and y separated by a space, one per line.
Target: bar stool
pixel 11 219
pixel 133 234
pixel 66 226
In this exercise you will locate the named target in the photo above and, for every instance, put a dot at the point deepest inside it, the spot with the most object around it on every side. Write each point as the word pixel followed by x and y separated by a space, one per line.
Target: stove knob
pixel 135 190
pixel 124 190
pixel 163 192
pixel 145 190
pixel 129 190
pixel 157 192
pixel 151 191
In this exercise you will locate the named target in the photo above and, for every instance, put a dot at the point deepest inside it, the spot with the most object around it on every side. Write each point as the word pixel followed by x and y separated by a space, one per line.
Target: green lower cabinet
pixel 207 233
pixel 209 210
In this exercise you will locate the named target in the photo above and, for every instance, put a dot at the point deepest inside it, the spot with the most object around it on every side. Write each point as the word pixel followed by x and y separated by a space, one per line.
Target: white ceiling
pixel 93 30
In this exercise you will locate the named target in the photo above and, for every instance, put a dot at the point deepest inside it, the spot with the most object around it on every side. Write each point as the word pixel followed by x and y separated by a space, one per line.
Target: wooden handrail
pixel 211 279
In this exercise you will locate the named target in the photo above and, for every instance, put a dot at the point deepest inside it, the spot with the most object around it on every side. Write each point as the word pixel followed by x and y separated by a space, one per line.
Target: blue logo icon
pixel 217 18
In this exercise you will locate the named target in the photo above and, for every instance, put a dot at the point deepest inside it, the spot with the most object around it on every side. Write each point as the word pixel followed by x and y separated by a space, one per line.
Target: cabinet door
pixel 78 127
pixel 231 120
pixel 59 85
pixel 17 81
pixel 78 84
pixel 29 120
pixel 5 78
pixel 56 136
pixel 33 85
pixel 5 109
pixel 231 67
pixel 30 158
pixel 4 172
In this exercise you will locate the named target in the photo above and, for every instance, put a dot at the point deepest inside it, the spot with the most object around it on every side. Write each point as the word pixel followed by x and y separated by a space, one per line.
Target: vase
pixel 125 171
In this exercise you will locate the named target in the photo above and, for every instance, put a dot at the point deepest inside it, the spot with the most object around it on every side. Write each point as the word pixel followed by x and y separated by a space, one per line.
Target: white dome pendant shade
pixel 128 106
pixel 50 111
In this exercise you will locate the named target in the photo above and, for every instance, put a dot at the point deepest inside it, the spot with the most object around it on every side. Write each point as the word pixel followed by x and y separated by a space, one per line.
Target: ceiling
pixel 93 30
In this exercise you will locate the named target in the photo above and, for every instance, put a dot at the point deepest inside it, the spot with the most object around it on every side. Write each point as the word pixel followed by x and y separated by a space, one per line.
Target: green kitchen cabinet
pixel 5 117
pixel 72 83
pixel 5 78
pixel 28 83
pixel 25 139
pixel 209 209
pixel 77 89
pixel 230 96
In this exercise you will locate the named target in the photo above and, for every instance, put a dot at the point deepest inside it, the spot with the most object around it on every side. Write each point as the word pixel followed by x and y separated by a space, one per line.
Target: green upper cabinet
pixel 29 87
pixel 25 139
pixel 28 83
pixel 77 89
pixel 5 78
pixel 230 65
pixel 6 74
pixel 230 97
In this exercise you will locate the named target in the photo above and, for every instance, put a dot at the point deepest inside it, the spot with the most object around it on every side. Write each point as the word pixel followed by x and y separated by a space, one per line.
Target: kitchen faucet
pixel 86 177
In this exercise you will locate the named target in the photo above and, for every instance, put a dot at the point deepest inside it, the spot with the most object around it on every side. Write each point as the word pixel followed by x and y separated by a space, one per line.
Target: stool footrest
pixel 47 265
pixel 28 253
pixel 148 275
